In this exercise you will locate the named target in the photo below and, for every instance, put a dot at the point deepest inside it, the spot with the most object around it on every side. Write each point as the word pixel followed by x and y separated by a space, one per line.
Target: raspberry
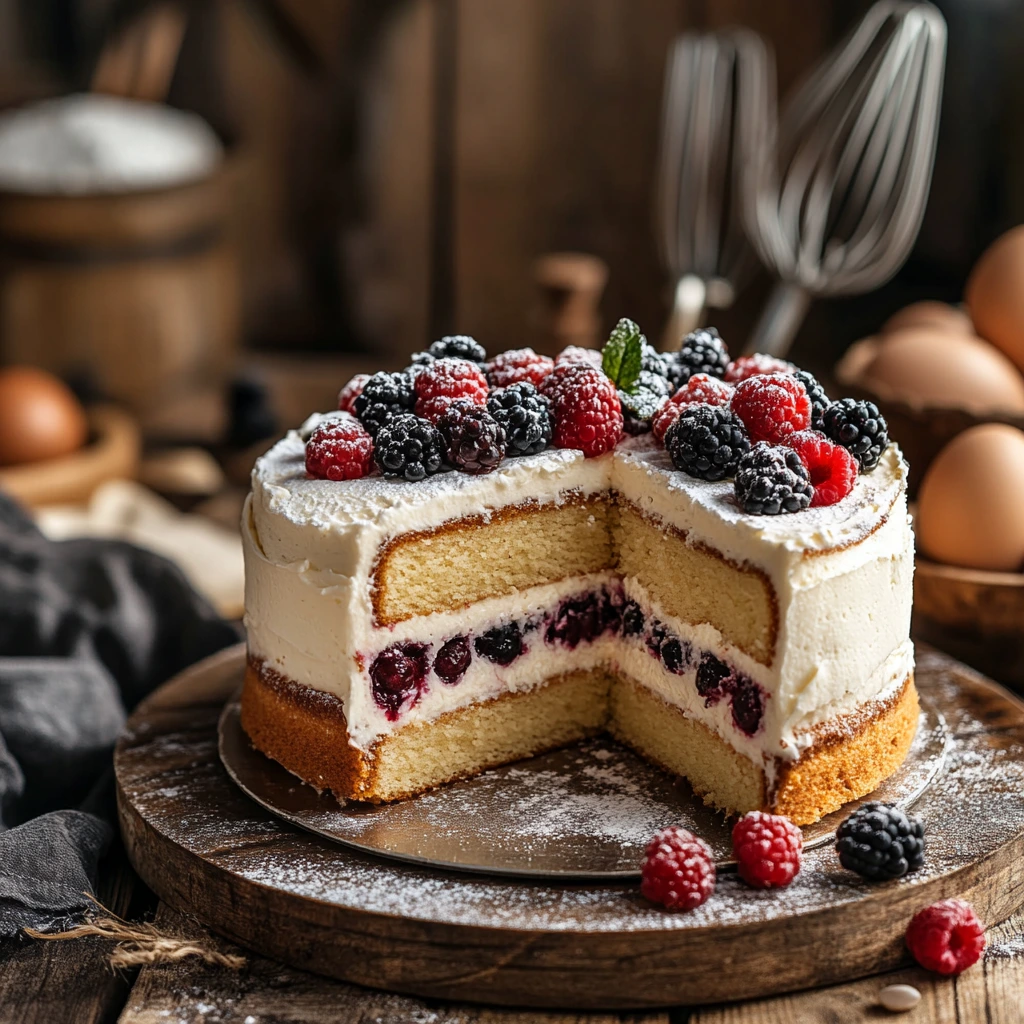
pixel 832 469
pixel 339 449
pixel 398 675
pixel 701 351
pixel 585 409
pixel 756 365
pixel 816 393
pixel 767 848
pixel 459 346
pixel 707 442
pixel 700 389
pixel 678 869
pixel 575 354
pixel 475 440
pixel 770 481
pixel 516 365
pixel 350 392
pixel 502 645
pixel 443 381
pixel 772 407
pixel 409 447
pixel 383 396
pixel 946 937
pixel 525 415
pixel 453 659
pixel 880 842
pixel 860 428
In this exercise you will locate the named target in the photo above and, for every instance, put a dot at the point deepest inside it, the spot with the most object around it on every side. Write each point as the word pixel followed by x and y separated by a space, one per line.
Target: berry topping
pixel 475 440
pixel 525 415
pixel 756 365
pixel 574 354
pixel 816 393
pixel 516 365
pixel 701 351
pixel 383 396
pixel 350 392
pixel 700 389
pixel 502 645
pixel 458 346
pixel 678 869
pixel 707 442
pixel 946 937
pixel 747 705
pixel 585 409
pixel 768 849
pixel 409 447
pixel 641 404
pixel 832 469
pixel 398 675
pixel 714 679
pixel 879 841
pixel 453 659
pixel 772 407
pixel 633 620
pixel 339 449
pixel 860 428
pixel 439 384
pixel 770 481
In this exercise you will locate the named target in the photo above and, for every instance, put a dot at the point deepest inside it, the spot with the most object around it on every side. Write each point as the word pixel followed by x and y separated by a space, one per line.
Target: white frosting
pixel 842 576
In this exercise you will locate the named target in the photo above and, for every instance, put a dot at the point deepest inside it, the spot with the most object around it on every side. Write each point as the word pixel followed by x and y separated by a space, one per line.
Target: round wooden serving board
pixel 208 850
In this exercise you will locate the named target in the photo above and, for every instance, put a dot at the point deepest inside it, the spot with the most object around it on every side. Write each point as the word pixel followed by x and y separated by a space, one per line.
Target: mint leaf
pixel 623 355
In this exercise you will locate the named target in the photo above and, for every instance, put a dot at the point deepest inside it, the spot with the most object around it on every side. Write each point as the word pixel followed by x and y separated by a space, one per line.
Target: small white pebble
pixel 899 998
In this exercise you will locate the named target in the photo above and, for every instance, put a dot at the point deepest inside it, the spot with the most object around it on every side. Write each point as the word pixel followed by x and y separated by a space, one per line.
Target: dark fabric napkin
pixel 87 629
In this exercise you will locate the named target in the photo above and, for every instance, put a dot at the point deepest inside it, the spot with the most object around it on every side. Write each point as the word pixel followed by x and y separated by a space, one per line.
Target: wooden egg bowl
pixel 111 453
pixel 922 432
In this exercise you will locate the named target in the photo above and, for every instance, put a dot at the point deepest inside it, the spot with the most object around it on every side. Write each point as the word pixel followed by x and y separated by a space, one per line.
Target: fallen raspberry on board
pixel 772 407
pixel 517 365
pixel 678 869
pixel 832 469
pixel 755 365
pixel 768 849
pixel 339 449
pixel 443 381
pixel 700 389
pixel 946 937
pixel 585 409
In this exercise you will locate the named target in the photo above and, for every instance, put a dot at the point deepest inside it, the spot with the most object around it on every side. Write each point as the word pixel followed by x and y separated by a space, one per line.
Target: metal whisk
pixel 836 207
pixel 706 140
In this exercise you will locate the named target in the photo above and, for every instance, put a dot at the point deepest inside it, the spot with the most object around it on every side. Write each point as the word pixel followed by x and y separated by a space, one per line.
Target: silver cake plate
pixel 583 812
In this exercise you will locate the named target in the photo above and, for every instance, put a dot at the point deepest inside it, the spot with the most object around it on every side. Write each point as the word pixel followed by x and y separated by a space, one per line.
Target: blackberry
pixel 771 480
pixel 459 346
pixel 398 675
pixel 408 447
pixel 661 364
pixel 502 645
pixel 675 655
pixel 816 393
pixel 419 362
pixel 747 705
pixel 707 441
pixel 879 841
pixel 702 351
pixel 384 396
pixel 576 621
pixel 860 428
pixel 474 439
pixel 640 406
pixel 714 679
pixel 633 620
pixel 526 416
pixel 453 659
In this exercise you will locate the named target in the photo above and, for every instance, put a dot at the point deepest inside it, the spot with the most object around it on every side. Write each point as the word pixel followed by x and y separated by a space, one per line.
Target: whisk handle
pixel 781 319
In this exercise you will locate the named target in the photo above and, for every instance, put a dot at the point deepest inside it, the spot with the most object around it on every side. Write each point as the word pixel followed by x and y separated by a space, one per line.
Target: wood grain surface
pixel 206 849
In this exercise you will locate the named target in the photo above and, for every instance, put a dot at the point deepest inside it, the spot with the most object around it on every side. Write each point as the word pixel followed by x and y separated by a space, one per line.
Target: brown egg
pixel 995 294
pixel 40 418
pixel 939 316
pixel 935 369
pixel 969 506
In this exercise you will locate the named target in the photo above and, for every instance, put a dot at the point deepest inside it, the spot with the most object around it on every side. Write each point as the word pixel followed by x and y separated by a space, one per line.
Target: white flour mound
pixel 91 143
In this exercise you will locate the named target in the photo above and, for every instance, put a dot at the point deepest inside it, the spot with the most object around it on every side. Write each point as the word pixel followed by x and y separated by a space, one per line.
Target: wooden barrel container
pixel 138 289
